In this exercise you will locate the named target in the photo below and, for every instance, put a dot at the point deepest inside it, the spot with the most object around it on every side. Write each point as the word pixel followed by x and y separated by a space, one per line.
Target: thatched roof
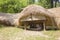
pixel 34 10
pixel 55 11
pixel 8 19
pixel 31 9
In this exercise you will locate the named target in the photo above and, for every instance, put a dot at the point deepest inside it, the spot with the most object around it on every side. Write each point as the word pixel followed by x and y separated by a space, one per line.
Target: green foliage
pixel 16 6
pixel 45 3
pixel 12 6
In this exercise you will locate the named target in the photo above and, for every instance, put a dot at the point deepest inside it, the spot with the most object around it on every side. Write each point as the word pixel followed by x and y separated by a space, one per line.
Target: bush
pixel 11 6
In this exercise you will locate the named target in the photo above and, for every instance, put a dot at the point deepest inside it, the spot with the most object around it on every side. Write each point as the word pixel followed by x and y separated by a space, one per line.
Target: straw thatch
pixel 50 16
pixel 37 12
pixel 7 18
pixel 56 14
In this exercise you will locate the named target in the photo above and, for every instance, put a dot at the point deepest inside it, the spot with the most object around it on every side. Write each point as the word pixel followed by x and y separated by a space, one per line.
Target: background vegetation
pixel 15 6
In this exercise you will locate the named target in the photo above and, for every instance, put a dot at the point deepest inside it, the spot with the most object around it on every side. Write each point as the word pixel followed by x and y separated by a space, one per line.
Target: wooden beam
pixel 44 26
pixel 25 26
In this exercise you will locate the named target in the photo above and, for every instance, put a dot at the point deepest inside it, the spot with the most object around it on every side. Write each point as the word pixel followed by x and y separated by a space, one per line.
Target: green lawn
pixel 13 33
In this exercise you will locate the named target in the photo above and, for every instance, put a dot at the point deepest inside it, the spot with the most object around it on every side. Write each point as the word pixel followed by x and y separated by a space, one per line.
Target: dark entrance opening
pixel 36 26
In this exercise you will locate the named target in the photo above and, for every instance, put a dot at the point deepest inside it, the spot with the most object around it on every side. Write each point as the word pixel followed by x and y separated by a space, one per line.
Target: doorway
pixel 36 26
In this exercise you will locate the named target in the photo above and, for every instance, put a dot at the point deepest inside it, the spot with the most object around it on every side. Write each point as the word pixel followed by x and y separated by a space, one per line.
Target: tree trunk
pixel 51 3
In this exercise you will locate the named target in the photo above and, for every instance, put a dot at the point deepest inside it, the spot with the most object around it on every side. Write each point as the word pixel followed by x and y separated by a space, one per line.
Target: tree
pixel 44 3
pixel 56 1
pixel 16 6
pixel 51 3
pixel 12 6
pixel 31 1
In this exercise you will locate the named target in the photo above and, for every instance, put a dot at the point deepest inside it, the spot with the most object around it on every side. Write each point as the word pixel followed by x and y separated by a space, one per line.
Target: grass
pixel 13 33
pixel 53 34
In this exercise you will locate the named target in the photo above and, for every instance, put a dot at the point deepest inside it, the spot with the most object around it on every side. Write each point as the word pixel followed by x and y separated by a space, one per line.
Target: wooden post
pixel 25 26
pixel 44 26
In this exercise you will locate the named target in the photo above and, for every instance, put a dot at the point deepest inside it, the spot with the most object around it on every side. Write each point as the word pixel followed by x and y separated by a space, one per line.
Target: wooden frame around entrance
pixel 44 26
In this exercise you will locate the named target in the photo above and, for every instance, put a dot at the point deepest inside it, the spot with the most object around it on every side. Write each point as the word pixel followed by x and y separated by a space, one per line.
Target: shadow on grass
pixel 2 26
pixel 41 30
